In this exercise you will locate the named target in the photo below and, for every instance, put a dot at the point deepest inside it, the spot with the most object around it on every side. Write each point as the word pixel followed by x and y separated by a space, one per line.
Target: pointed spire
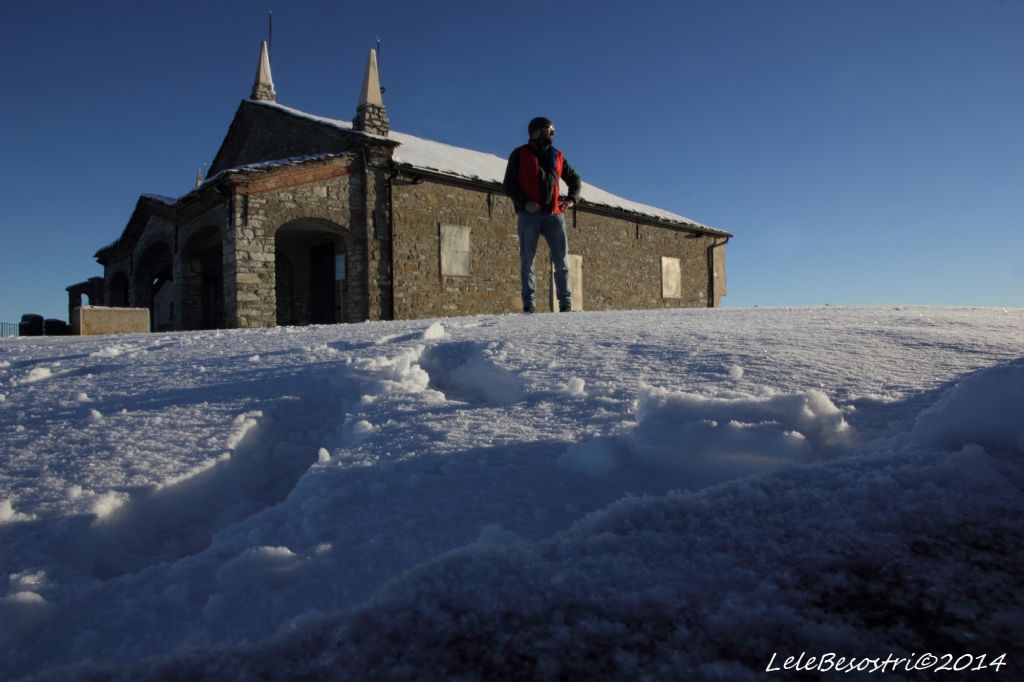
pixel 199 177
pixel 370 93
pixel 263 87
pixel 371 116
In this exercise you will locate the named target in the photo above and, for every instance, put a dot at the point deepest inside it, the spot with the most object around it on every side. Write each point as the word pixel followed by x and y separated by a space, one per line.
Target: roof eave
pixel 146 203
pixel 611 211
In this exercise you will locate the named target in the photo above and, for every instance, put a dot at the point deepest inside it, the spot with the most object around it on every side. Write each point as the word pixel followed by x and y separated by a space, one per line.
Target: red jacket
pixel 532 174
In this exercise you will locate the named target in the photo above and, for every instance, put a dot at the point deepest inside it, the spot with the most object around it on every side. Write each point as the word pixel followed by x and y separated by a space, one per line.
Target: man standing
pixel 531 181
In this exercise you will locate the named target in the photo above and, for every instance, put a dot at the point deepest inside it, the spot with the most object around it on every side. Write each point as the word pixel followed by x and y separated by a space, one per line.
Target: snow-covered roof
pixel 417 152
pixel 422 154
pixel 170 201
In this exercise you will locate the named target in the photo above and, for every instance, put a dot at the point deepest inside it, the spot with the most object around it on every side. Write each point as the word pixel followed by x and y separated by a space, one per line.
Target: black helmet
pixel 537 123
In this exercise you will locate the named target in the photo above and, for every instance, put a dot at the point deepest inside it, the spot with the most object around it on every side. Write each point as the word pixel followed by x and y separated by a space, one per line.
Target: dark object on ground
pixel 56 328
pixel 31 325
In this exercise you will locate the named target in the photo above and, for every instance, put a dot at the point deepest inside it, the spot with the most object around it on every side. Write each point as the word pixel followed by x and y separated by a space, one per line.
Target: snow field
pixel 505 483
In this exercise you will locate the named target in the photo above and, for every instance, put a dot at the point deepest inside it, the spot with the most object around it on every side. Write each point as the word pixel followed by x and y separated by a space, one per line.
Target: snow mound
pixel 382 501
pixel 37 374
pixel 434 332
pixel 669 587
pixel 985 408
pixel 22 614
pixel 399 373
pixel 700 440
pixel 180 516
pixel 696 586
pixel 110 351
pixel 810 413
pixel 9 515
pixel 575 387
pixel 470 372
pixel 260 566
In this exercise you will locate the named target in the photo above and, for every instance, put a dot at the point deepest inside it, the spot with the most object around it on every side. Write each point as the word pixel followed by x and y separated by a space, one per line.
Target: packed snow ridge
pixel 660 494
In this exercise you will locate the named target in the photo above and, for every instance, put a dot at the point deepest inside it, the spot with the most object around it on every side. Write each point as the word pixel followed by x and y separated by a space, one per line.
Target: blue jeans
pixel 552 226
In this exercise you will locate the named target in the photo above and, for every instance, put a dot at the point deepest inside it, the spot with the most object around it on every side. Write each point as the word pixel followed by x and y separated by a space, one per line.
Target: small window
pixel 671 278
pixel 339 267
pixel 455 245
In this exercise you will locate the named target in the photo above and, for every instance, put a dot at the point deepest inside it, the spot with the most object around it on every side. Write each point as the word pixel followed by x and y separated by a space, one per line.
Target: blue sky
pixel 862 152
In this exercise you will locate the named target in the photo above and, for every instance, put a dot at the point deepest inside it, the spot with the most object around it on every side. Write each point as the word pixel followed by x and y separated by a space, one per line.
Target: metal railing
pixel 8 329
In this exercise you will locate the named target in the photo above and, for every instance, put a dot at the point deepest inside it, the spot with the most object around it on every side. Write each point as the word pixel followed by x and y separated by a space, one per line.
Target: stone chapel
pixel 309 220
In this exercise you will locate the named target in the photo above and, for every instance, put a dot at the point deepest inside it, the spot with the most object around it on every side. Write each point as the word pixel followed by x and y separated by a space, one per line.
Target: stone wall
pixel 325 197
pixel 721 288
pixel 150 255
pixel 94 320
pixel 371 118
pixel 200 234
pixel 420 290
pixel 135 265
pixel 621 257
pixel 391 231
pixel 377 238
pixel 93 288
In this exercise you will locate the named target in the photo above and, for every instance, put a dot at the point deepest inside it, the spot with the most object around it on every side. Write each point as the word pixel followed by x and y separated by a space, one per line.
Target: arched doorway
pixel 323 294
pixel 284 274
pixel 87 293
pixel 154 286
pixel 202 280
pixel 311 272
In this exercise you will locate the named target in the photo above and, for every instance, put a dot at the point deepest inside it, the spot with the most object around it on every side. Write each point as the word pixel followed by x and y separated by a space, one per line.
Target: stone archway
pixel 154 286
pixel 202 280
pixel 88 293
pixel 311 285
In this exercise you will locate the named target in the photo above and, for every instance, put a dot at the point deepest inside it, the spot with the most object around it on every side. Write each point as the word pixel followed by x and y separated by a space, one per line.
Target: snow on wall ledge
pixel 660 494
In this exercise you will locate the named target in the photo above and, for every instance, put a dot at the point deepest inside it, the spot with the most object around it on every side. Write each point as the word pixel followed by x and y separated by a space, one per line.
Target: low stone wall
pixel 94 320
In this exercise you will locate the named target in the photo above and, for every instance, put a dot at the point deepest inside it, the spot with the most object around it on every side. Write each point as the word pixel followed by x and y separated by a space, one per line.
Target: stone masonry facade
pixel 319 199
pixel 621 258
pixel 393 261
pixel 304 220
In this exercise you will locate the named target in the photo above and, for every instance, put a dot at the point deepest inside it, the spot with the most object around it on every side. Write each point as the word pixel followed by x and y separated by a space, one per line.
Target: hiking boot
pixel 565 308
pixel 529 308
